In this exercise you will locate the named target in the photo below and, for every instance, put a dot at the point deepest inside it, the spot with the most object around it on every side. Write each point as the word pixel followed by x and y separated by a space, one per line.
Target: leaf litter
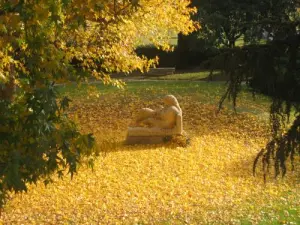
pixel 209 181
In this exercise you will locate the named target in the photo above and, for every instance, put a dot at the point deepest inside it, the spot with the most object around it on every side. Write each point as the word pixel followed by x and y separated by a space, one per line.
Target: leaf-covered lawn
pixel 208 182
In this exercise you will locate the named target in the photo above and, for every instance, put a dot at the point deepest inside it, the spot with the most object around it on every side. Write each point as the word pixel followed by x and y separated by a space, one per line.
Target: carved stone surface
pixel 155 126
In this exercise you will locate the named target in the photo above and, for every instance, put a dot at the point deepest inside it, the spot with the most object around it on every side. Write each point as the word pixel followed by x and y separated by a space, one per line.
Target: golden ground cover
pixel 208 182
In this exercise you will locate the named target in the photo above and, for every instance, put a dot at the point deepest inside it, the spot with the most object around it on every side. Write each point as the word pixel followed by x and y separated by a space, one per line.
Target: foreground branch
pixel 280 149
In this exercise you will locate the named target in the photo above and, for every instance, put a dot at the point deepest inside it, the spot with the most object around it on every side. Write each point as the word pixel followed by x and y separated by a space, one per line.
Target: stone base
pixel 132 140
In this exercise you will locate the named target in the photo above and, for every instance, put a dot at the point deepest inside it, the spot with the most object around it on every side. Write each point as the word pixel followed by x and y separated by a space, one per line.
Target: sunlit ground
pixel 208 182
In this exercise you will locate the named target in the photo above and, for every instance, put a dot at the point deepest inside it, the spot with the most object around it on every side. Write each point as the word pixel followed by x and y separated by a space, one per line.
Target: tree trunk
pixel 182 52
pixel 231 43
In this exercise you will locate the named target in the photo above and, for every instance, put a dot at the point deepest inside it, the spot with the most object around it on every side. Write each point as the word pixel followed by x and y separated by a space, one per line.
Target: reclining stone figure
pixel 153 126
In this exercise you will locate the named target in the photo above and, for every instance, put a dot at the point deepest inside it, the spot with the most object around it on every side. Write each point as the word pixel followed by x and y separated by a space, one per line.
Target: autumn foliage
pixel 207 182
pixel 51 41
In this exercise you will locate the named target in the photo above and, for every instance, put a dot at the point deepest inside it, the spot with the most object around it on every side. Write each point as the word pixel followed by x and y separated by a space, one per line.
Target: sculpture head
pixel 170 100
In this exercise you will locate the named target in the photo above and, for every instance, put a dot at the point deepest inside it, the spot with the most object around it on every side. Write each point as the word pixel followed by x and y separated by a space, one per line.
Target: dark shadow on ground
pixel 122 146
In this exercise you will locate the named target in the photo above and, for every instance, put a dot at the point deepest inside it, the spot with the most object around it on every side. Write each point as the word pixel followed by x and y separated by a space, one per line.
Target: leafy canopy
pixel 43 42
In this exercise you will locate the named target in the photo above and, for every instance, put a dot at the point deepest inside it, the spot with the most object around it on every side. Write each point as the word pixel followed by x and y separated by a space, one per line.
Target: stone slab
pixel 132 140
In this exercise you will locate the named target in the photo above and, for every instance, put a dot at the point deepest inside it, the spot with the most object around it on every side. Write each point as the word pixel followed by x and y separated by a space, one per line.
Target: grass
pixel 191 76
pixel 208 182
pixel 172 41
pixel 204 92
pixel 285 216
pixel 186 76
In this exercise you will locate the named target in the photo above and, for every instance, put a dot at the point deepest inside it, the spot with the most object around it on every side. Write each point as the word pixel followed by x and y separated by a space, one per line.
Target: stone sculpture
pixel 156 126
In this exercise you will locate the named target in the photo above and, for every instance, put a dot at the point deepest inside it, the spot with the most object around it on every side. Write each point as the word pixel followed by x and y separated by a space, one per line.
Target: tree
pixel 225 21
pixel 50 41
pixel 222 24
pixel 272 69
